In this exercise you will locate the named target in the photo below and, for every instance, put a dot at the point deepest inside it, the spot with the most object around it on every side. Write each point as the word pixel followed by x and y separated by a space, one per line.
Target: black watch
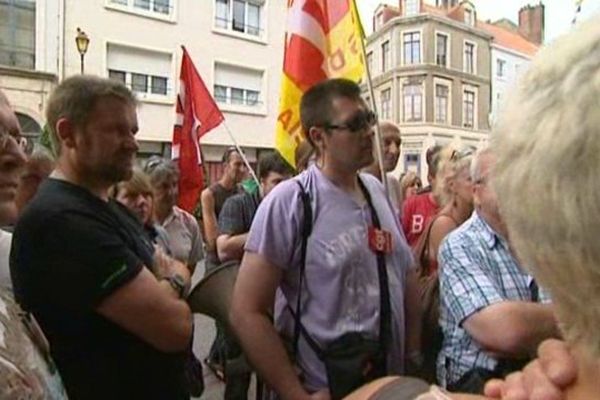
pixel 177 283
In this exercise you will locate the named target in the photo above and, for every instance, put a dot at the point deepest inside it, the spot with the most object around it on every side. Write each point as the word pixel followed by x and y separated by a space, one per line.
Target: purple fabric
pixel 341 287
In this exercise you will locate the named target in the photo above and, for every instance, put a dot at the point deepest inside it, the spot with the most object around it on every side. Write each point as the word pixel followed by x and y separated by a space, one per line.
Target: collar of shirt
pixel 490 237
pixel 175 214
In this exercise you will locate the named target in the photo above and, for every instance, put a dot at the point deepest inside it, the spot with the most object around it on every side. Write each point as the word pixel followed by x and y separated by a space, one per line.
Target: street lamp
pixel 82 40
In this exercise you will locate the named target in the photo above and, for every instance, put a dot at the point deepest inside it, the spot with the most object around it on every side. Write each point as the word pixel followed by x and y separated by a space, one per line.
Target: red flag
pixel 197 113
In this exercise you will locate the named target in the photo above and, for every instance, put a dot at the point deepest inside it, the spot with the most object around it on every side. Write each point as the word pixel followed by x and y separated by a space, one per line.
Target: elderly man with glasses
pixel 492 313
pixel 330 242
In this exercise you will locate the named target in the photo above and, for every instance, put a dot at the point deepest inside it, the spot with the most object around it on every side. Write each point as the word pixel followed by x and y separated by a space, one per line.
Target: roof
pixel 509 39
pixel 504 37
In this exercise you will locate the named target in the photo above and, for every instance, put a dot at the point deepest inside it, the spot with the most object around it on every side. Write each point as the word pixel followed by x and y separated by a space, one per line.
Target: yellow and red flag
pixel 322 41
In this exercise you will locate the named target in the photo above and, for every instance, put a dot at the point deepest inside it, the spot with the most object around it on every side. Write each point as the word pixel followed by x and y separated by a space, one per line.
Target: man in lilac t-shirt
pixel 341 291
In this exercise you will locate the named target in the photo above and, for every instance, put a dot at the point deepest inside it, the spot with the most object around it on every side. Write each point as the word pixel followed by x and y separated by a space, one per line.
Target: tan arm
pixel 209 219
pixel 253 298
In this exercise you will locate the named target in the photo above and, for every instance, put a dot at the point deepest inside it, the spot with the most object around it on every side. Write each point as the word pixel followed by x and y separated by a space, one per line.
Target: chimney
pixel 446 4
pixel 531 23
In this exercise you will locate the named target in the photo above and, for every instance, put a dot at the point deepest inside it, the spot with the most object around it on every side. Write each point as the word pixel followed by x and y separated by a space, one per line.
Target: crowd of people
pixel 351 280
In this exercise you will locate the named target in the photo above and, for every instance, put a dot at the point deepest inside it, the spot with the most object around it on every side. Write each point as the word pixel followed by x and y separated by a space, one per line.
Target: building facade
pixel 512 49
pixel 236 45
pixel 440 73
pixel 29 32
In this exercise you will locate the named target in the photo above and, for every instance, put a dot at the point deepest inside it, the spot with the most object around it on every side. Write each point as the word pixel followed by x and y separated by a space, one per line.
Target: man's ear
pixel 316 136
pixel 65 130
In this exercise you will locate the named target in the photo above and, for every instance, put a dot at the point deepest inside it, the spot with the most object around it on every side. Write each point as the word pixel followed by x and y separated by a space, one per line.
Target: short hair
pixel 547 177
pixel 407 180
pixel 432 158
pixel 317 102
pixel 475 168
pixel 75 98
pixel 41 155
pixel 138 184
pixel 272 162
pixel 227 154
pixel 159 168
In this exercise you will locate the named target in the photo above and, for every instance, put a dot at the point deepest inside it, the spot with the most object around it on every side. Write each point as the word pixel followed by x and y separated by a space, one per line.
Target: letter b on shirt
pixel 417 224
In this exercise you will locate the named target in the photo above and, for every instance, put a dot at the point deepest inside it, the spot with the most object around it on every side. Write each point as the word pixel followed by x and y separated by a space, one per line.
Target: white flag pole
pixel 241 153
pixel 378 148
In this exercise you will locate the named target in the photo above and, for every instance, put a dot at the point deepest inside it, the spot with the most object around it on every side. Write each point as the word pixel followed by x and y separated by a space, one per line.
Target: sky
pixel 559 13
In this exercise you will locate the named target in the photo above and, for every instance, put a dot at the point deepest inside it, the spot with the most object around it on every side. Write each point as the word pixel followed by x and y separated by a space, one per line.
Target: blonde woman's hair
pixel 547 177
pixel 451 163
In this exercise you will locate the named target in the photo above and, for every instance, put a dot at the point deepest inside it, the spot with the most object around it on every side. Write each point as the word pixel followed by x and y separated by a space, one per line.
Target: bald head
pixel 12 160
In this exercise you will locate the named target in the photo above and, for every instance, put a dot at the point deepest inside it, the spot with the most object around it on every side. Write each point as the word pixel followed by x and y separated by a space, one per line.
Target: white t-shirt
pixel 5 240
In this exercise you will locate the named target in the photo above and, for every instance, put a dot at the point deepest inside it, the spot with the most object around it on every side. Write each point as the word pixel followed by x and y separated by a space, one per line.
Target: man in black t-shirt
pixel 235 220
pixel 83 266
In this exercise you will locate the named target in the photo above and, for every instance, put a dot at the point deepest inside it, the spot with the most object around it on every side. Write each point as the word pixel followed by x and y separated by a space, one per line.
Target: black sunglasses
pixel 359 122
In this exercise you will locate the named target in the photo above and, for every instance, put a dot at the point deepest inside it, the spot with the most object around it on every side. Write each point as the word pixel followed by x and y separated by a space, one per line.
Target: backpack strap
pixel 306 231
pixel 385 326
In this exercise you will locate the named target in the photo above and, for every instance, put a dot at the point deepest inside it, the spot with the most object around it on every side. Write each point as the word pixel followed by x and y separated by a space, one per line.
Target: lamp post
pixel 82 40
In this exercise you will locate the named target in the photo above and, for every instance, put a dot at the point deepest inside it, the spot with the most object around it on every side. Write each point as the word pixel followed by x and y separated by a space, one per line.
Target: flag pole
pixel 241 153
pixel 378 140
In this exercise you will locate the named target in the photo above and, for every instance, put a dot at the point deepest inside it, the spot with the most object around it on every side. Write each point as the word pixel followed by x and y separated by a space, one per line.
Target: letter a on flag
pixel 322 41
pixel 197 113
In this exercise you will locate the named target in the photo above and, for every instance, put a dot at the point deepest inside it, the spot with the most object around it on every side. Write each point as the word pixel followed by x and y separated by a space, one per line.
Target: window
pixel 152 6
pixel 17 33
pixel 469 17
pixel 220 94
pixel 237 85
pixel 412 162
pixel 413 102
pixel 117 75
pixel 441 104
pixel 141 83
pixel 469 58
pixel 146 72
pixel 500 68
pixel 412 48
pixel 385 56
pixel 468 109
pixel 158 85
pixel 386 104
pixel 370 61
pixel 242 16
pixel 441 50
pixel 412 7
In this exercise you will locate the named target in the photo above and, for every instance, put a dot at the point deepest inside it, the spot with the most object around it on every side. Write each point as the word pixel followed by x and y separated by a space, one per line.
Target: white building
pixel 236 45
pixel 29 40
pixel 511 55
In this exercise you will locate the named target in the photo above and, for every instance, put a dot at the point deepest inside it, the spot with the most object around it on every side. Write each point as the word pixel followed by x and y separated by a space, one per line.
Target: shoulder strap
pixel 384 290
pixel 422 249
pixel 306 230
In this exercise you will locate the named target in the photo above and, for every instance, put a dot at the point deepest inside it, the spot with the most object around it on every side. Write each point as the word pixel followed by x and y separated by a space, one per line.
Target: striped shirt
pixel 477 270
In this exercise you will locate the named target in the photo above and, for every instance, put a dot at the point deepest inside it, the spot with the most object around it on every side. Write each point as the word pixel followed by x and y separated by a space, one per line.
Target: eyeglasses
pixel 359 122
pixel 458 155
pixel 152 163
pixel 7 138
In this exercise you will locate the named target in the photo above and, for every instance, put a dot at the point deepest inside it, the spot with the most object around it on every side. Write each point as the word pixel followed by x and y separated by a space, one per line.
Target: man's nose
pixel 12 157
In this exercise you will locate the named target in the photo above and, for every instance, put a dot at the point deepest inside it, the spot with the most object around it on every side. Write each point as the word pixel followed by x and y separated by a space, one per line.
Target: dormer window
pixel 469 17
pixel 411 7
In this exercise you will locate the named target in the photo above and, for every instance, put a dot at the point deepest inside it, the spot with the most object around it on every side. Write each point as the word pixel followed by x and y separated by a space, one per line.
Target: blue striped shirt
pixel 476 270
